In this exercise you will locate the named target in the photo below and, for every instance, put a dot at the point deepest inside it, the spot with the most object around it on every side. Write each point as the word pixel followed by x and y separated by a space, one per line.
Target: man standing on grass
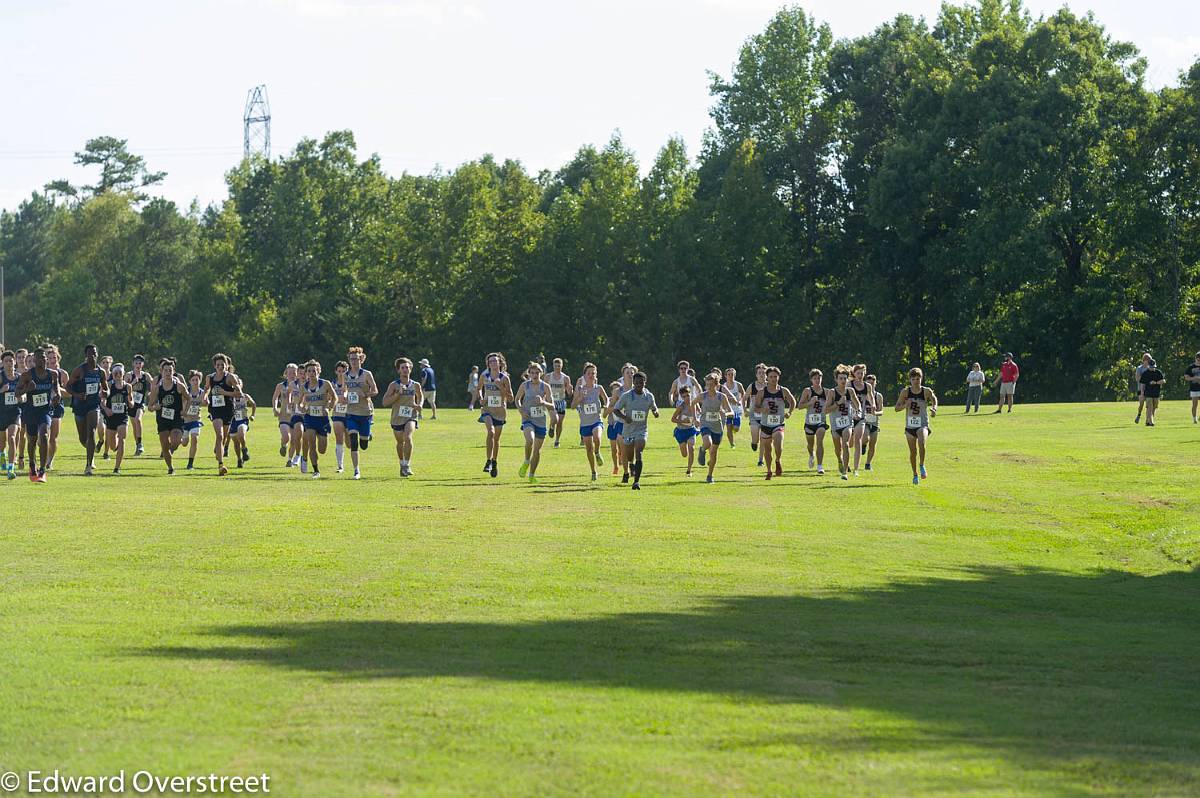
pixel 428 385
pixel 1009 373
pixel 1138 386
pixel 975 380
pixel 1152 382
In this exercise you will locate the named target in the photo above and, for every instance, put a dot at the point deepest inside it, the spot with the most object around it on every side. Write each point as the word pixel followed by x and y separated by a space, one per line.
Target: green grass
pixel 1023 623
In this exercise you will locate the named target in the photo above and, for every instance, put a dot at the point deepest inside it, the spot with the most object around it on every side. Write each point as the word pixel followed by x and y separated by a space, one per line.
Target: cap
pixel 1008 354
pixel 423 362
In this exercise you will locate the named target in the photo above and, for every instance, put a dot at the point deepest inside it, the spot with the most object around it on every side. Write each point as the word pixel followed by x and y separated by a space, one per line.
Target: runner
pixel 360 408
pixel 403 395
pixel 88 386
pixel 10 412
pixel 1139 387
pixel 140 381
pixel 221 386
pixel 59 410
pixel 590 399
pixel 429 386
pixel 812 399
pixel 116 409
pixel 1192 375
pixel 41 387
pixel 736 392
pixel 317 397
pixel 715 408
pixel 844 409
pixel 684 419
pixel 1153 380
pixel 686 378
pixel 872 420
pixel 751 406
pixel 244 408
pixel 632 409
pixel 472 387
pixel 560 391
pixel 291 422
pixel 614 427
pixel 535 401
pixel 920 403
pixel 495 392
pixel 339 411
pixel 191 414
pixel 774 404
pixel 866 407
pixel 23 357
pixel 105 363
pixel 166 400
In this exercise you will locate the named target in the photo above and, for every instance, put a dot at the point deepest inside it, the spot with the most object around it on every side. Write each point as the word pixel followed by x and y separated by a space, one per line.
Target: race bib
pixel 240 415
pixel 40 400
pixel 138 398
pixel 814 419
pixel 871 418
pixel 168 413
pixel 537 412
pixel 218 400
pixel 352 397
pixel 712 416
pixel 117 407
pixel 340 407
pixel 91 388
pixel 193 409
pixel 638 415
pixel 10 398
pixel 591 408
pixel 557 391
pixel 494 401
pixel 774 419
pixel 915 422
pixel 841 422
pixel 404 411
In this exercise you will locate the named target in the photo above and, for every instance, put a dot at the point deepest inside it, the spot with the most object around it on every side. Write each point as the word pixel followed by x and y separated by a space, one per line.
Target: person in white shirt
pixel 975 380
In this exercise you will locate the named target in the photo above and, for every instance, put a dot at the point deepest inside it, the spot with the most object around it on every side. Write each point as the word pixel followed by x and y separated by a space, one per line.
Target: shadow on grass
pixel 1099 673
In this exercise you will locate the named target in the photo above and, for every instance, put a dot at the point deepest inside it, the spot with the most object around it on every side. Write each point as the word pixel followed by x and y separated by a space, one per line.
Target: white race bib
pixel 537 411
pixel 117 407
pixel 10 398
pixel 168 413
pixel 841 422
pixel 40 400
pixel 240 415
pixel 557 391
pixel 193 409
pixel 218 400
pixel 774 419
pixel 637 415
pixel 871 418
pixel 591 408
pixel 137 398
pixel 915 422
pixel 404 411
pixel 340 407
pixel 352 397
pixel 494 401
pixel 91 388
pixel 712 416
pixel 814 419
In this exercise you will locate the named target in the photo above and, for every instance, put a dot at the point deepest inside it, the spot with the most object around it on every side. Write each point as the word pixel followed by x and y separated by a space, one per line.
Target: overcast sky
pixel 421 82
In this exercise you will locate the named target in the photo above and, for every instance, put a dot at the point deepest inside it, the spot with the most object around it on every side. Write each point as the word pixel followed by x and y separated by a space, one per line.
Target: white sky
pixel 421 82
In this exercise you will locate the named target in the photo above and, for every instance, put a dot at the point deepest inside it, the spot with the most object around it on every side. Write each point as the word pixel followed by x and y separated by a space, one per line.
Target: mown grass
pixel 1024 622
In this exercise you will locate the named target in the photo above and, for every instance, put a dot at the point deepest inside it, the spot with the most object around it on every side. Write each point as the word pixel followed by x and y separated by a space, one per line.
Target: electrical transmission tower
pixel 257 121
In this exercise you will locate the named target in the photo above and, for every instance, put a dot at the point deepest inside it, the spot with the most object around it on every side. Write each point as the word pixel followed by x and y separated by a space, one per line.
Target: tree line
pixel 929 194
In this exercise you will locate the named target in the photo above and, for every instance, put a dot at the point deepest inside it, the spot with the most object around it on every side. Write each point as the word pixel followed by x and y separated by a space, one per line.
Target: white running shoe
pixel 820 469
pixel 356 474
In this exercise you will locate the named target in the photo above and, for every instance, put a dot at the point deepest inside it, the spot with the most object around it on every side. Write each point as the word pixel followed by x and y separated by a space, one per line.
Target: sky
pixel 423 83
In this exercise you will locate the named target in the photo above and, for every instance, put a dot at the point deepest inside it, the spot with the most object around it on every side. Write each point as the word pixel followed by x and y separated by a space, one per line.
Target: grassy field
pixel 1025 622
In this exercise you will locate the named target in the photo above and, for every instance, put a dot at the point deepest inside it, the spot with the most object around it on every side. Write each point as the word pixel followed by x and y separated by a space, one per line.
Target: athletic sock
pixel 340 449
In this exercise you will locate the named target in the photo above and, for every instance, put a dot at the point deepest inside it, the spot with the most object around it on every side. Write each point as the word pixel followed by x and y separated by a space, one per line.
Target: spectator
pixel 975 380
pixel 428 386
pixel 1009 374
pixel 1138 386
pixel 1192 375
pixel 1152 382
pixel 472 387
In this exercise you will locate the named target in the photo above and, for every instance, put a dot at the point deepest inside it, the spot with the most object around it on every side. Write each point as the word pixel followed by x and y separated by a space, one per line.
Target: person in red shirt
pixel 1009 373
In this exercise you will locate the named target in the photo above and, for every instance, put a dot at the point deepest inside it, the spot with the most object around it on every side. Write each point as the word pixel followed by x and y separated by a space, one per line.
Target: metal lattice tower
pixel 257 119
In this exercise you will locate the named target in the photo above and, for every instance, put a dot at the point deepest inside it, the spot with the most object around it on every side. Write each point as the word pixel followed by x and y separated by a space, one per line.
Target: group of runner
pixel 850 411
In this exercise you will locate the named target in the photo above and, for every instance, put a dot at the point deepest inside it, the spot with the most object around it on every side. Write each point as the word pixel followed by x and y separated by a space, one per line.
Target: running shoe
pixel 288 464
pixel 599 458
pixel 821 469
pixel 246 455
pixel 283 450
pixel 625 478
pixel 316 475
pixel 769 474
pixel 868 466
pixel 532 479
pixel 170 470
pixel 760 462
pixel 222 471
pixel 340 469
pixel 87 471
pixel 593 476
pixel 923 474
pixel 239 462
pixel 140 450
pixel 105 455
pixel 845 475
pixel 10 472
pixel 487 466
pixel 41 477
pixel 356 474
pixel 856 472
pixel 732 445
pixel 637 486
pixel 191 467
pixel 33 475
pixel 116 470
pixel 495 471
pixel 916 480
pixel 556 444
pixel 524 469
pixel 709 479
pixel 702 449
pixel 754 448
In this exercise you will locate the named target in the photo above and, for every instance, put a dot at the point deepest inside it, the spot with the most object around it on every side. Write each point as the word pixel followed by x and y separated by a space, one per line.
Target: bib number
pixel 138 398
pixel 493 401
pixel 871 418
pixel 537 412
pixel 915 422
pixel 10 398
pixel 712 416
pixel 239 415
pixel 218 400
pixel 841 422
pixel 352 398
pixel 40 400
pixel 340 407
pixel 638 415
pixel 168 413
pixel 814 420
pixel 557 392
pixel 92 388
pixel 404 411
pixel 193 410
pixel 117 407
pixel 774 419
pixel 591 408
